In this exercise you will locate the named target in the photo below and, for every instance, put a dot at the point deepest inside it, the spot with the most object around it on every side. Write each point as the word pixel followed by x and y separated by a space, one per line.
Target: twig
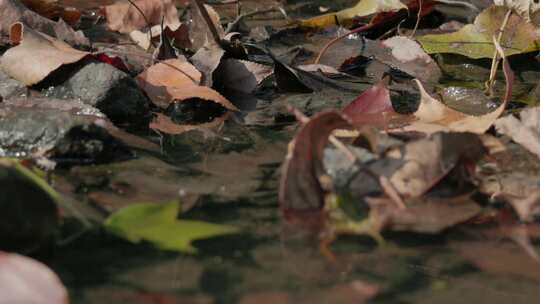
pixel 495 61
pixel 418 16
pixel 338 38
pixel 145 20
pixel 211 26
pixel 241 17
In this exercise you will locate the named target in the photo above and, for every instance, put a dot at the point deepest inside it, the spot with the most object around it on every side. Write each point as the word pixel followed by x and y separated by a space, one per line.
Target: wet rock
pixel 67 131
pixel 10 87
pixel 110 90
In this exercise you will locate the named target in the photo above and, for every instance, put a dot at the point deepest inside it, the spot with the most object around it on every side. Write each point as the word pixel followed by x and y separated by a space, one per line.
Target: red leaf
pixel 373 106
pixel 300 190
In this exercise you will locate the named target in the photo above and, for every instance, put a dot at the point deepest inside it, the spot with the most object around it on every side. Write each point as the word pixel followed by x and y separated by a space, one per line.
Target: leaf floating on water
pixel 159 225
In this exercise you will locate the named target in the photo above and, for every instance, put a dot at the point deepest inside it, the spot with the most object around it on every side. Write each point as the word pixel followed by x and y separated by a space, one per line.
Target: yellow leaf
pixel 363 8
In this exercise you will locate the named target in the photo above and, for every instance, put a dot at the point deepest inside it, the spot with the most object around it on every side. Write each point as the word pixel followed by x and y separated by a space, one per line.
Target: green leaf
pixel 363 8
pixel 159 225
pixel 476 40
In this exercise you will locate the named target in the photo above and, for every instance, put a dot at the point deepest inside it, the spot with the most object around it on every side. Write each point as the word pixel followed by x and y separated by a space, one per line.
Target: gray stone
pixel 110 90
pixel 10 87
pixel 56 128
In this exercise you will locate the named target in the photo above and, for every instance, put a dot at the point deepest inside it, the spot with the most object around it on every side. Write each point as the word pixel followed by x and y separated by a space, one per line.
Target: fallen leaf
pixel 207 59
pixel 53 10
pixel 157 79
pixel 475 40
pixel 433 116
pixel 180 36
pixel 299 80
pixel 372 107
pixel 242 76
pixel 163 123
pixel 36 55
pixel 12 11
pixel 158 224
pixel 199 33
pixel 524 8
pixel 406 55
pixel 363 8
pixel 123 17
pixel 173 81
pixel 524 131
pixel 300 189
pixel 24 280
pixel 427 161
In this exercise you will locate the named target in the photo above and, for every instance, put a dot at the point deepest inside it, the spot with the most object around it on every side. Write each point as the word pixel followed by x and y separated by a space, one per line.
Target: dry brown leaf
pixel 36 55
pixel 243 76
pixel 176 80
pixel 53 10
pixel 163 123
pixel 199 32
pixel 429 160
pixel 12 11
pixel 180 36
pixel 525 131
pixel 207 60
pixel 433 116
pixel 123 17
pixel 200 92
pixel 157 79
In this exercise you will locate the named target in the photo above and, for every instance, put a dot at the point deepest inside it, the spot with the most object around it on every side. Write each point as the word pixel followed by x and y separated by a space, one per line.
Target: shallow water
pixel 233 179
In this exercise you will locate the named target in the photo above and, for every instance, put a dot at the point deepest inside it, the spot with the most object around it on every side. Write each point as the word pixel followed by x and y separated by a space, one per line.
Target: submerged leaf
pixel 158 224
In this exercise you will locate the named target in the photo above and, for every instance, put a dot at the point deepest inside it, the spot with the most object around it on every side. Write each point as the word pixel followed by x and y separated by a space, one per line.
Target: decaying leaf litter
pixel 179 125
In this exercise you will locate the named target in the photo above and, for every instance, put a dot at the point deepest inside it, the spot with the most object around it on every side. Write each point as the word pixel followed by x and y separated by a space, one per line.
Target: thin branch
pixel 338 38
pixel 241 17
pixel 211 26
pixel 418 17
pixel 145 20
